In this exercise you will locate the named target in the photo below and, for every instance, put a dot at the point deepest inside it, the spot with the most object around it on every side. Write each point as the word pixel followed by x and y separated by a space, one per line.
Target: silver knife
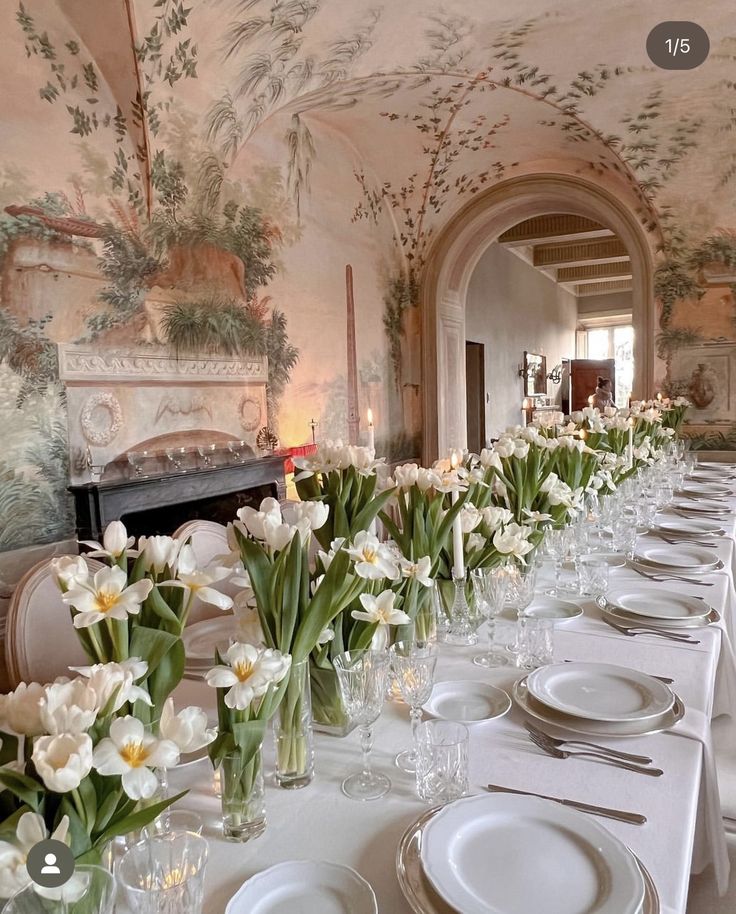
pixel 632 818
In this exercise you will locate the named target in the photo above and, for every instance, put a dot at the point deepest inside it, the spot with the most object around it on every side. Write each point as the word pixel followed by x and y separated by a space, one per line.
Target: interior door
pixel 475 395
pixel 584 375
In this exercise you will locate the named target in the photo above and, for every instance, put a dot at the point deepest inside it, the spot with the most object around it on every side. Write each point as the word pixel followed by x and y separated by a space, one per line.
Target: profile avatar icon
pixel 50 863
pixel 50 868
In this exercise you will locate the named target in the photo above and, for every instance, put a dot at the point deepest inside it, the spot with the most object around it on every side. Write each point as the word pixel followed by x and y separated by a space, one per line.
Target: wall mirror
pixel 535 374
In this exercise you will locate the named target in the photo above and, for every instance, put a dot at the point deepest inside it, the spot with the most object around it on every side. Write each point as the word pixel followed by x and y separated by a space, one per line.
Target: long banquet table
pixel 683 833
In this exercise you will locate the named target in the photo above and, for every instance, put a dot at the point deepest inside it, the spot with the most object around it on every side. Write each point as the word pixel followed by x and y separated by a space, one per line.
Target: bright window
pixel 616 342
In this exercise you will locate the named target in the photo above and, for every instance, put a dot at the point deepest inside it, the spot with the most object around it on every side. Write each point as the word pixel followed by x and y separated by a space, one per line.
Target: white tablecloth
pixel 683 831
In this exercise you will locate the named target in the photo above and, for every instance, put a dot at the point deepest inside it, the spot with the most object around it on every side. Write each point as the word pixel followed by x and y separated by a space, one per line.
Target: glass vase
pixel 292 729
pixel 243 797
pixel 328 709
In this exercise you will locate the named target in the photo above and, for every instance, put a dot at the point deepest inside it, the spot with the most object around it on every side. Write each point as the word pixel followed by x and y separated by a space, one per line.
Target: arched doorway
pixel 457 251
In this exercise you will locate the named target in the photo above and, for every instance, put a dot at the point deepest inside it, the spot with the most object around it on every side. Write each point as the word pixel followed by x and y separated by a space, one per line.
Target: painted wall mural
pixel 183 186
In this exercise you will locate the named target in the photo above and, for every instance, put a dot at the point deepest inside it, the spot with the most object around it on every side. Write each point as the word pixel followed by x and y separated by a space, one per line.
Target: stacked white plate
pixel 505 854
pixel 681 559
pixel 708 506
pixel 705 488
pixel 657 608
pixel 201 639
pixel 688 526
pixel 598 698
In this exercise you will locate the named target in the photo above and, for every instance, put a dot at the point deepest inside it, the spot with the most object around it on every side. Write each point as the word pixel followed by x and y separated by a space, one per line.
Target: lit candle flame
pixel 370 416
pixel 453 460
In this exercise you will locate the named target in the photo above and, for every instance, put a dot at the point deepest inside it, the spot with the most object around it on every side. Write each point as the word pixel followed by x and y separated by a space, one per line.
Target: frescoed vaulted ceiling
pixel 270 136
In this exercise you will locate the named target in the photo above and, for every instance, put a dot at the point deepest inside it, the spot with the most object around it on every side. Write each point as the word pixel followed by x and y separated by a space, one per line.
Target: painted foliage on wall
pixel 193 179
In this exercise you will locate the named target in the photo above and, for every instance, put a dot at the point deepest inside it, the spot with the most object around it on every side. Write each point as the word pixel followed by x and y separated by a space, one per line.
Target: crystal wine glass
pixel 361 676
pixel 490 586
pixel 558 546
pixel 207 453
pixel 413 665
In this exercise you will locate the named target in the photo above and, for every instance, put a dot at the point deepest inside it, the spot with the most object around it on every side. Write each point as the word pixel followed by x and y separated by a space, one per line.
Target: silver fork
pixel 558 743
pixel 634 630
pixel 687 542
pixel 671 577
pixel 598 756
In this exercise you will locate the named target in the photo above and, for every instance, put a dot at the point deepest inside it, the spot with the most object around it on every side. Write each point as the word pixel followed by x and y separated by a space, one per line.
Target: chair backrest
pixel 208 539
pixel 40 641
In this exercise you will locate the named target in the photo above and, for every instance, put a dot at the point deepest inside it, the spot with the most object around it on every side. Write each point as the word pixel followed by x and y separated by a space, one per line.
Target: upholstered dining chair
pixel 208 539
pixel 40 642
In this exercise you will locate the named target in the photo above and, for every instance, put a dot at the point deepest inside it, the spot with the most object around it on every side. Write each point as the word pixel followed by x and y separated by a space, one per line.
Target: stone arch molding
pixel 458 249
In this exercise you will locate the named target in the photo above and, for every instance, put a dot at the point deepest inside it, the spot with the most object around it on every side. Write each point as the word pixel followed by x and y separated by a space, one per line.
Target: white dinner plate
pixel 682 557
pixel 467 702
pixel 621 617
pixel 304 887
pixel 567 723
pixel 659 604
pixel 201 638
pixel 504 854
pixel 706 489
pixel 599 691
pixel 547 607
pixel 700 505
pixel 689 525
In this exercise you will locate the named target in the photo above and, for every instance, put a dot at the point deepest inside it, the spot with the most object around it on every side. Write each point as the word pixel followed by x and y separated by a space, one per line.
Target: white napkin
pixel 710 836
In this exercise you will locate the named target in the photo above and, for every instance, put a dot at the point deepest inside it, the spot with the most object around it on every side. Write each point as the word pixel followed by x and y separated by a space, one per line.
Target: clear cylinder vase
pixel 243 797
pixel 292 729
pixel 329 714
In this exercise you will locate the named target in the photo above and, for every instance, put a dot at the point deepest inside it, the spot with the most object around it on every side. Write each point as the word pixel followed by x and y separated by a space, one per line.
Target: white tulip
pixel 22 709
pixel 513 540
pixel 470 517
pixel 69 571
pixel 254 520
pixel 63 761
pixel 504 447
pixel 490 459
pixel 106 596
pixel 421 570
pixel 115 541
pixel 198 581
pixel 380 609
pixel 406 475
pixel 30 830
pixel 315 513
pixel 248 673
pixel 159 552
pixel 188 729
pixel 475 542
pixel 69 707
pixel 372 559
pixel 428 479
pixel 277 536
pixel 325 636
pixel 114 683
pixel 131 752
pixel 494 517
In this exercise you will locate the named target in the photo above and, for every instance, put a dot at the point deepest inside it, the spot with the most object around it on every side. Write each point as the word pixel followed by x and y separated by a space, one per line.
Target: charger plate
pixel 622 617
pixel 659 605
pixel 683 557
pixel 423 899
pixel 535 709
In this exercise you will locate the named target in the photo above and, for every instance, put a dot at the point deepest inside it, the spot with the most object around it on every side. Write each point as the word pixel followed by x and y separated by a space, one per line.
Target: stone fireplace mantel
pixel 181 493
pixel 79 364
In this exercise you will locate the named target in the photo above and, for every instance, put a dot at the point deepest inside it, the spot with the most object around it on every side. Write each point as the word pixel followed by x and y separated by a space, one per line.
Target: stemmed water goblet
pixel 176 456
pixel 207 453
pixel 520 594
pixel 413 664
pixel 559 540
pixel 361 676
pixel 490 586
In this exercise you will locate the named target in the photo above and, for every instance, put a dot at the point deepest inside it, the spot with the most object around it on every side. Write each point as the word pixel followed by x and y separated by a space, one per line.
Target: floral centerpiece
pixel 138 605
pixel 349 481
pixel 250 683
pixel 79 767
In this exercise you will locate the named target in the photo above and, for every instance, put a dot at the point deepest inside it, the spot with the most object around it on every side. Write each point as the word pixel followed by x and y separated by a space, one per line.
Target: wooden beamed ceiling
pixel 582 255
